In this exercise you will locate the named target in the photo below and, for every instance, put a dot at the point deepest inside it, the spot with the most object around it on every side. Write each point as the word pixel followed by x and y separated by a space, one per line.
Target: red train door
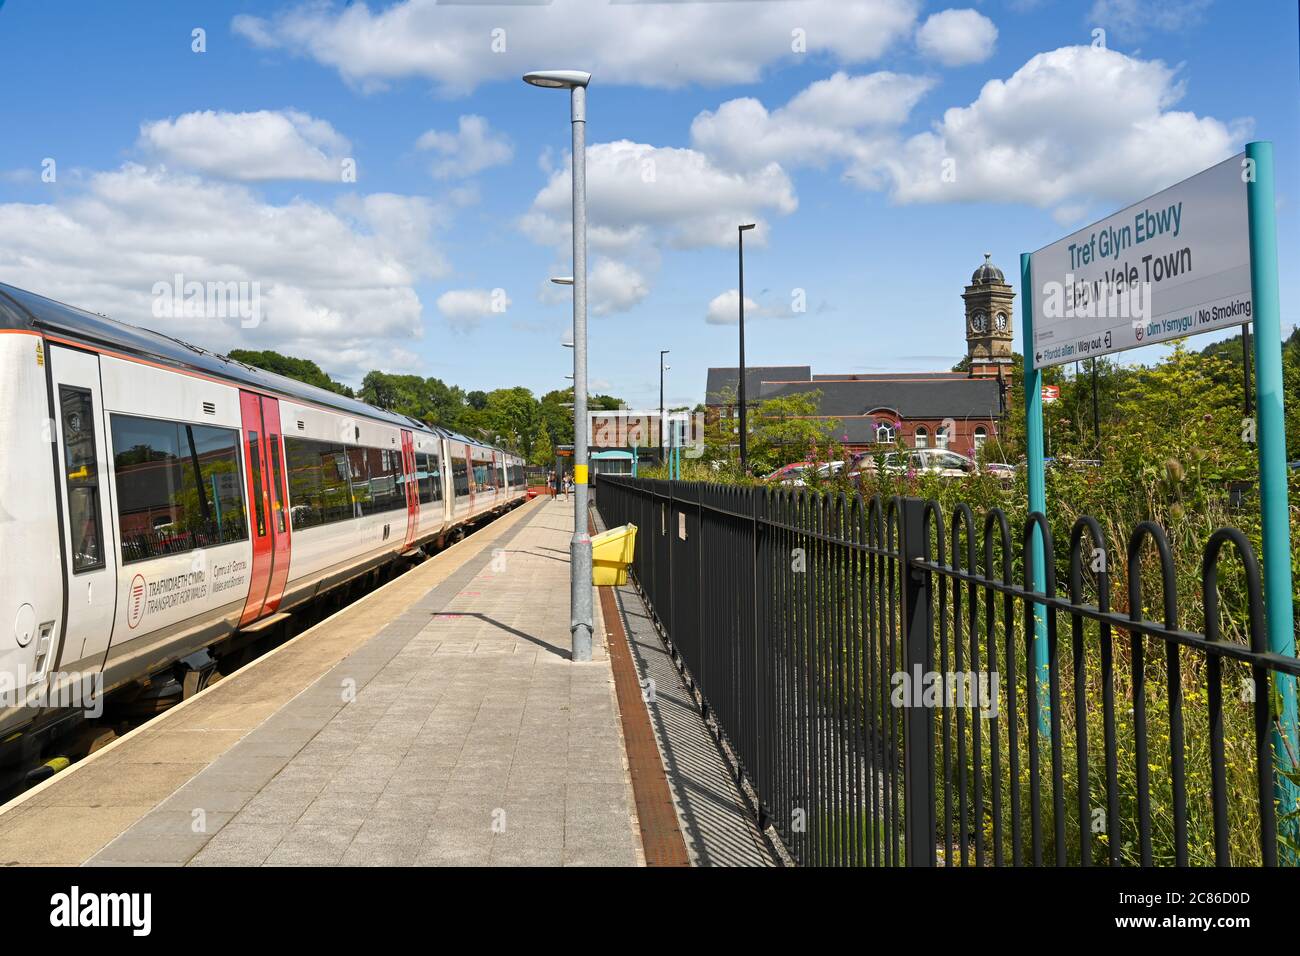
pixel 268 518
pixel 469 466
pixel 412 488
pixel 278 477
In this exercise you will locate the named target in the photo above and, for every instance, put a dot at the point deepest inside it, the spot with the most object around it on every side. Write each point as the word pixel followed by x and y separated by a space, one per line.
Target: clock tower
pixel 988 322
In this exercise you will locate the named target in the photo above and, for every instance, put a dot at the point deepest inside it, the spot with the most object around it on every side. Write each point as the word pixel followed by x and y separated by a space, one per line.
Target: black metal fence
pixel 893 696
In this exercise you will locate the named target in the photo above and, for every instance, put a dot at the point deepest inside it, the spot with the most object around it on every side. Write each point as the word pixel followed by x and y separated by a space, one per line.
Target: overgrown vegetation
pixel 1176 449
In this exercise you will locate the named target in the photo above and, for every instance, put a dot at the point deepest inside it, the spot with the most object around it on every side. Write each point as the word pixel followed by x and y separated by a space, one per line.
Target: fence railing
pixel 895 692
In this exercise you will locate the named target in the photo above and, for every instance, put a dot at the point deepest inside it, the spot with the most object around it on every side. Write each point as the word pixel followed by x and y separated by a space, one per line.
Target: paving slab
pixel 459 732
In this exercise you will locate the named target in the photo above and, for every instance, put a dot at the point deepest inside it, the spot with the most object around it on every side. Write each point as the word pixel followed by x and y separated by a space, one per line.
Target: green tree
pixel 514 416
pixel 428 399
pixel 302 370
pixel 543 452
pixel 784 429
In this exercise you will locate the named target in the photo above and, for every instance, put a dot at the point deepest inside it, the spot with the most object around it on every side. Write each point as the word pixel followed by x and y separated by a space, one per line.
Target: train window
pixel 277 481
pixel 359 473
pixel 81 472
pixel 430 479
pixel 382 488
pixel 179 487
pixel 460 476
pixel 255 464
pixel 319 488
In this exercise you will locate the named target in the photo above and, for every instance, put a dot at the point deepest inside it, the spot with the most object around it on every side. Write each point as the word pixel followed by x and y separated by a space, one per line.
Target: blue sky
pixel 227 165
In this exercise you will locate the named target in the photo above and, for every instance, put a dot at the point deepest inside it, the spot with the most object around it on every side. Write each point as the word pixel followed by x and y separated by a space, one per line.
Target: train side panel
pixel 186 557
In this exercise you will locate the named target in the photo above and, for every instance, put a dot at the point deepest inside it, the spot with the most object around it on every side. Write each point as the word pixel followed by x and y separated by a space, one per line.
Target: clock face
pixel 1002 321
pixel 979 322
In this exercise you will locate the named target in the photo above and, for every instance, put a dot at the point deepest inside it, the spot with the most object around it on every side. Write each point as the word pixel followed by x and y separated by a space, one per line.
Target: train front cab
pixel 31 582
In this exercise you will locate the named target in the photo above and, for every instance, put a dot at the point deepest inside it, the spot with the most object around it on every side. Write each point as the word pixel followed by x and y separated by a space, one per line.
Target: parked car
pixel 1001 470
pixel 791 474
pixel 936 461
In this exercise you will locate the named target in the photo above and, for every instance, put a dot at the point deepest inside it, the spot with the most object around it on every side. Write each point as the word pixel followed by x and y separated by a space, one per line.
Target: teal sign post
pixel 1275 517
pixel 1037 472
pixel 1196 257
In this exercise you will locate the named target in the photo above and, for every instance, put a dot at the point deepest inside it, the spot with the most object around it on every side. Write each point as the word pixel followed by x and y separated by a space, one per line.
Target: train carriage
pixel 156 498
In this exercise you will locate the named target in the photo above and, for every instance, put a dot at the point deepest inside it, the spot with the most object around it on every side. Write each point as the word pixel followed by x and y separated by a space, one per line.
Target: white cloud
pixel 661 45
pixel 1070 127
pixel 471 149
pixel 724 309
pixel 261 145
pixel 835 118
pixel 639 194
pixel 464 309
pixel 957 37
pixel 614 286
pixel 336 285
pixel 1134 19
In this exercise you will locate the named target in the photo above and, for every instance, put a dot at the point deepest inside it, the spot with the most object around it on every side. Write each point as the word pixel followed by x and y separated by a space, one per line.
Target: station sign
pixel 1051 393
pixel 1172 265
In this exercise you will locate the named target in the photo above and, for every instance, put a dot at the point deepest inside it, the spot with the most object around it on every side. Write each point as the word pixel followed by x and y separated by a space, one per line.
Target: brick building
pixel 956 410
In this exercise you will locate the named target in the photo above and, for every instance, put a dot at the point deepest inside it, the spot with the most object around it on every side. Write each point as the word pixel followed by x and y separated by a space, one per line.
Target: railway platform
pixel 439 720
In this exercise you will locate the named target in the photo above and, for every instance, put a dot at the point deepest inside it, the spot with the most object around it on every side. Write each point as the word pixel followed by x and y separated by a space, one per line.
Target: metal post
pixel 1035 469
pixel 1270 434
pixel 1096 414
pixel 662 353
pixel 1246 374
pixel 918 720
pixel 744 438
pixel 580 549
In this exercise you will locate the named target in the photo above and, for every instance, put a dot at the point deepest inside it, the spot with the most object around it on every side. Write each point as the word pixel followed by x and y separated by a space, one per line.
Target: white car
pixel 935 461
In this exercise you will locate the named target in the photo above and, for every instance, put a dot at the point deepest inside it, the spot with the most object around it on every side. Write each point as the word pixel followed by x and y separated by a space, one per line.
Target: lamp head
pixel 562 280
pixel 558 79
pixel 747 226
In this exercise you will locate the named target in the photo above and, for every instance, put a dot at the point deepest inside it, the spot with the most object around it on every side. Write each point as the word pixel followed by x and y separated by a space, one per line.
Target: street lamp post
pixel 662 353
pixel 744 447
pixel 580 614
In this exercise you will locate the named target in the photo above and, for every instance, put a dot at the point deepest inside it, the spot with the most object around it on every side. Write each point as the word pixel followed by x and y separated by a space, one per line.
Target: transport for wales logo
pixel 135 602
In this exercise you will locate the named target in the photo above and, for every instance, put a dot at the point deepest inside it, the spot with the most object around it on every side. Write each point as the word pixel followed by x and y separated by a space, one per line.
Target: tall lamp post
pixel 662 367
pixel 580 614
pixel 744 445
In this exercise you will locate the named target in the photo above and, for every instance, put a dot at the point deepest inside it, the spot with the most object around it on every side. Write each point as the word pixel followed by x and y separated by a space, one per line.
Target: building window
pixel 941 437
pixel 980 437
pixel 179 487
pixel 884 433
pixel 922 437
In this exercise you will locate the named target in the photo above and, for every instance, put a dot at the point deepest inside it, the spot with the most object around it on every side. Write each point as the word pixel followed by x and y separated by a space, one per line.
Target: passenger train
pixel 156 499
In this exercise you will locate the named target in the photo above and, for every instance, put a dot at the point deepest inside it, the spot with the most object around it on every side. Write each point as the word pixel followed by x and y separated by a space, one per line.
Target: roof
pixel 939 396
pixel 20 309
pixel 987 273
pixel 879 376
pixel 858 431
pixel 722 380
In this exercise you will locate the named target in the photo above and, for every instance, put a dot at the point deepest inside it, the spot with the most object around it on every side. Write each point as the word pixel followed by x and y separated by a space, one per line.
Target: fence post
pixel 918 722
